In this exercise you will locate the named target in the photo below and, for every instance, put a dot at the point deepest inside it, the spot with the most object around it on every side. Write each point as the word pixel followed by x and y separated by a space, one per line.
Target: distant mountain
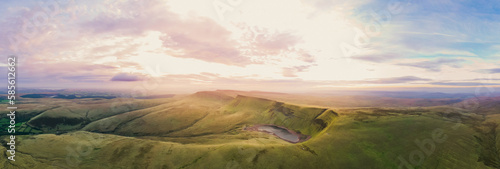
pixel 156 96
pixel 481 105
pixel 62 96
pixel 422 95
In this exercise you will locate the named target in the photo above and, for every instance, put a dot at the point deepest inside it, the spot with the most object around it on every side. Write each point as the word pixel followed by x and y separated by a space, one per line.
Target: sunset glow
pixel 280 45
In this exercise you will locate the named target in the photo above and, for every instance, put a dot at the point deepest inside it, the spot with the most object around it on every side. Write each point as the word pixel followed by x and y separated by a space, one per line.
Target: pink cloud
pixel 292 71
pixel 196 37
pixel 127 77
pixel 65 72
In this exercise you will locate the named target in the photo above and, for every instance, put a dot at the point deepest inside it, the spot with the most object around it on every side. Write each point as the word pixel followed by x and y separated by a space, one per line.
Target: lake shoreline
pixel 300 137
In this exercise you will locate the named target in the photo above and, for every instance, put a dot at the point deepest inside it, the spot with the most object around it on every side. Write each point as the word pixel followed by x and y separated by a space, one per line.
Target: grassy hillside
pixel 347 143
pixel 211 113
pixel 206 130
pixel 50 115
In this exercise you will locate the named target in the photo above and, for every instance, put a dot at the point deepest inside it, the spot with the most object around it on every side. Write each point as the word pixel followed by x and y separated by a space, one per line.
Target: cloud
pixel 121 49
pixel 430 29
pixel 485 79
pixel 464 84
pixel 436 64
pixel 274 42
pixel 490 71
pixel 292 71
pixel 306 57
pixel 194 37
pixel 379 81
pixel 328 5
pixel 208 81
pixel 56 73
pixel 92 78
pixel 127 77
pixel 377 58
pixel 123 36
pixel 264 45
pixel 404 79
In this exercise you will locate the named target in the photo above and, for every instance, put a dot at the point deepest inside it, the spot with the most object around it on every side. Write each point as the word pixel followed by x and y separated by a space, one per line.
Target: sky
pixel 279 45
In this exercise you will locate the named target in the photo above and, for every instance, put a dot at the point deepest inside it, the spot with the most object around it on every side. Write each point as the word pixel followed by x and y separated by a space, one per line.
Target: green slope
pixel 205 130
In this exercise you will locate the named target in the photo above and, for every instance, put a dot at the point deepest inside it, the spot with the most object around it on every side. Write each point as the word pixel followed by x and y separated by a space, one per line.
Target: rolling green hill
pixel 207 130
pixel 209 113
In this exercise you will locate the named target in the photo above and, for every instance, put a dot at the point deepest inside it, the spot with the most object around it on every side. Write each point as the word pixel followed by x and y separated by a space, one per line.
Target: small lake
pixel 278 131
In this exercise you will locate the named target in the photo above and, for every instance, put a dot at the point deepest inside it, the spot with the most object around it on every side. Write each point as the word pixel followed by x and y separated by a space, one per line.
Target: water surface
pixel 281 132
